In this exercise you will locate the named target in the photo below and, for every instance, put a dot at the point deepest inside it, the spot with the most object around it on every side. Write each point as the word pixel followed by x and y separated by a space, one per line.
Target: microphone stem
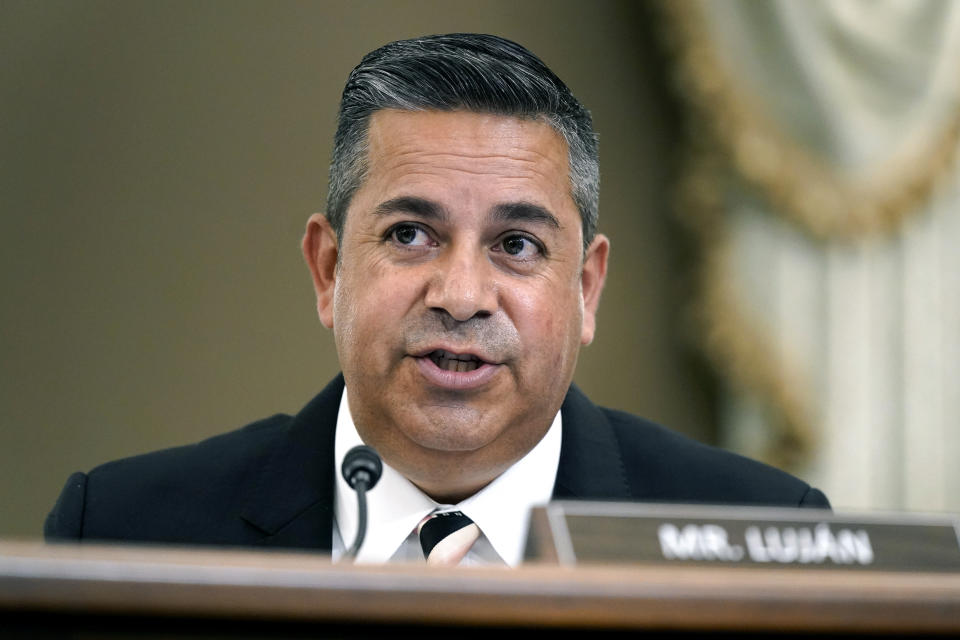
pixel 361 490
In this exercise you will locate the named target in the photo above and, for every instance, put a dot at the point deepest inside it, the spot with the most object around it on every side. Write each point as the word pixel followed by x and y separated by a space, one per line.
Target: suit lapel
pixel 291 498
pixel 591 466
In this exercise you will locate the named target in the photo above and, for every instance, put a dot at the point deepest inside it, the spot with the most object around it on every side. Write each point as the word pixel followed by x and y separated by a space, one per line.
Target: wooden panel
pixel 75 585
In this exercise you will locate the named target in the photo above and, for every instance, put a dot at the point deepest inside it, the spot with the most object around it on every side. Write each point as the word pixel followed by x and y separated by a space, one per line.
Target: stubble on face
pixel 396 307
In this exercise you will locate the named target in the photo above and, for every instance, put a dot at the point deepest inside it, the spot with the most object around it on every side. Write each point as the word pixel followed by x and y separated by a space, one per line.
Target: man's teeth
pixel 453 362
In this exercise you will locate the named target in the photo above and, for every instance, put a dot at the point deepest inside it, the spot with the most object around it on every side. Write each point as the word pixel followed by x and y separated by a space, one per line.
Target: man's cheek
pixel 540 316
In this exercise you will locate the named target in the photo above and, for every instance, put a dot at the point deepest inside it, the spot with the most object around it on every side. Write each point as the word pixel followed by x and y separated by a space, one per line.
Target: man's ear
pixel 591 283
pixel 320 250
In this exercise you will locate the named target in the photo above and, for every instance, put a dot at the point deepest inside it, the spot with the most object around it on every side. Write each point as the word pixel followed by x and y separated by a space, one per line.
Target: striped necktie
pixel 446 538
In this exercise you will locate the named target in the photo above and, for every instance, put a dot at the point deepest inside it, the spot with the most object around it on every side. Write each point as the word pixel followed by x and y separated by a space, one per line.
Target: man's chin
pixel 452 429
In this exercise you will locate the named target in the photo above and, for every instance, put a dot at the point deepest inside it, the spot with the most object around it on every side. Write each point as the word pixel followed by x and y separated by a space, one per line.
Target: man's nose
pixel 463 285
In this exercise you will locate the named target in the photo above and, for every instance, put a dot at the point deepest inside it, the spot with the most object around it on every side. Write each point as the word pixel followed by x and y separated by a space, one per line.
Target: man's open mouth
pixel 455 361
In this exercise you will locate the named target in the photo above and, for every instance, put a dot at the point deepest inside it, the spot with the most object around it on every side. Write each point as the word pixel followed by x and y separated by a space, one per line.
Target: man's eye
pixel 520 246
pixel 408 234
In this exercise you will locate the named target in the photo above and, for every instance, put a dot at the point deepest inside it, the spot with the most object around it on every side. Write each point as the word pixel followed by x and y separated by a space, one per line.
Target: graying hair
pixel 475 72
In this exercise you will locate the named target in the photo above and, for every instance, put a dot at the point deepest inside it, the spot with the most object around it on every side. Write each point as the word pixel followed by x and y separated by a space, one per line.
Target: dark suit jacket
pixel 271 484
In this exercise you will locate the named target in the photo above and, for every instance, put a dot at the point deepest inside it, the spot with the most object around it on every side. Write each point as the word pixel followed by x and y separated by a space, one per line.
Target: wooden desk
pixel 126 591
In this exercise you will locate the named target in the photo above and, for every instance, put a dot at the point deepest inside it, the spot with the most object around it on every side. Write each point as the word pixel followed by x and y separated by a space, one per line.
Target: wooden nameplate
pixel 581 532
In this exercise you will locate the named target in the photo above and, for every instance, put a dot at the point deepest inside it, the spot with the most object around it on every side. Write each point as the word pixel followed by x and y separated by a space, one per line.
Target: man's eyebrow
pixel 525 211
pixel 420 207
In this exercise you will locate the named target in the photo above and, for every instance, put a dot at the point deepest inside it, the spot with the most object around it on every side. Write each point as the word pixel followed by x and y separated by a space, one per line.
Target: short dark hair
pixel 475 72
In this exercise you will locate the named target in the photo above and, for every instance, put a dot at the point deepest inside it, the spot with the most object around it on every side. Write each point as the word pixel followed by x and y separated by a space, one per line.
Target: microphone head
pixel 361 464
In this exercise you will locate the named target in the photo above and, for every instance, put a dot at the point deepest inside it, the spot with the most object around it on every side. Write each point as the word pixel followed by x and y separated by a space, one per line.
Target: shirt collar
pixel 396 506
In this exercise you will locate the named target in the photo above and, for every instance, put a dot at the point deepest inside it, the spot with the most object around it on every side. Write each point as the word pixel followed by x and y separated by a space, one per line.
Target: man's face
pixel 458 304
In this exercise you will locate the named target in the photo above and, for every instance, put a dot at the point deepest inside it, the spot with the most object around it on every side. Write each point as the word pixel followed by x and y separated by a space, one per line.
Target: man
pixel 460 269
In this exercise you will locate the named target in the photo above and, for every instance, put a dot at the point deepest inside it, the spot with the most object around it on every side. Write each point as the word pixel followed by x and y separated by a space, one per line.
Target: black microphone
pixel 361 469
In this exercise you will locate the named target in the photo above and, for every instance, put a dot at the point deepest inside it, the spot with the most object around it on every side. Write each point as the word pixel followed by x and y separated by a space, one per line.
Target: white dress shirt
pixel 395 506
